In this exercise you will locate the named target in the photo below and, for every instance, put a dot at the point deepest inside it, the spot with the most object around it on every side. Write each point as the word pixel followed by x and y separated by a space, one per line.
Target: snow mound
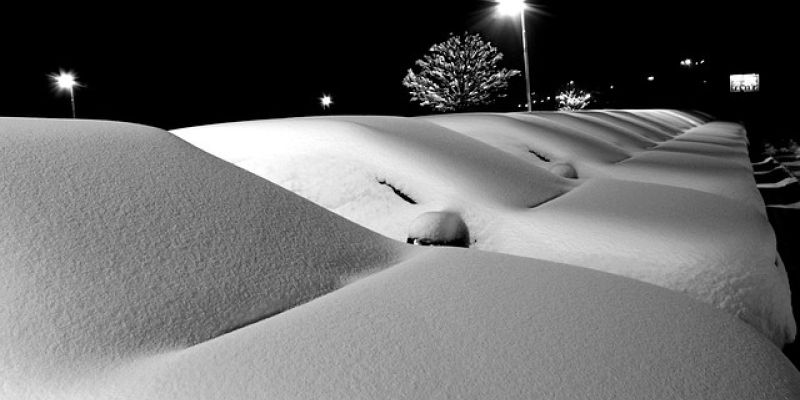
pixel 679 121
pixel 564 170
pixel 684 215
pixel 133 265
pixel 629 124
pixel 710 158
pixel 120 240
pixel 713 249
pixel 590 125
pixel 439 228
pixel 381 172
pixel 780 184
pixel 649 128
pixel 467 324
pixel 528 135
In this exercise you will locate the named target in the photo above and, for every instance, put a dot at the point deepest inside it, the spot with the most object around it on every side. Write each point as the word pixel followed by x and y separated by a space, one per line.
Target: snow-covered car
pixel 661 196
pixel 135 266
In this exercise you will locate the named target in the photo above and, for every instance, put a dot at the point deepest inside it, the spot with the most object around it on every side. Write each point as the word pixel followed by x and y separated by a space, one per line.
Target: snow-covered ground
pixel 135 266
pixel 662 196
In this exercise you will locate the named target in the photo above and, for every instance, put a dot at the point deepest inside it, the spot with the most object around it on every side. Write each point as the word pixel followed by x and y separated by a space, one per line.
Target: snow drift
pixel 474 325
pixel 121 240
pixel 135 266
pixel 672 203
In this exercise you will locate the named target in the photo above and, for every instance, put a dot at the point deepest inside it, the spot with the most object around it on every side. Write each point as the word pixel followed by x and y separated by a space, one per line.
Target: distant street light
pixel 692 63
pixel 66 81
pixel 325 101
pixel 651 78
pixel 511 8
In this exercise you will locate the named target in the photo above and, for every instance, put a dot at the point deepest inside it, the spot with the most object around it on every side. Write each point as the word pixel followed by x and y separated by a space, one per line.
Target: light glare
pixel 326 101
pixel 510 7
pixel 65 80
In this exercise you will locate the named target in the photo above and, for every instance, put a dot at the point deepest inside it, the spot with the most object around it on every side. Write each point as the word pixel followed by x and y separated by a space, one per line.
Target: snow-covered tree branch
pixel 458 74
pixel 572 98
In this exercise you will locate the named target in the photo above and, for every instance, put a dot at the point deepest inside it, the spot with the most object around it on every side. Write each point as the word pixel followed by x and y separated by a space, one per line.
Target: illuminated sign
pixel 744 83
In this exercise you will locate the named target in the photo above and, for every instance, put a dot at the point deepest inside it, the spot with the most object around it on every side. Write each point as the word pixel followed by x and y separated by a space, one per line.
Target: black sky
pixel 172 67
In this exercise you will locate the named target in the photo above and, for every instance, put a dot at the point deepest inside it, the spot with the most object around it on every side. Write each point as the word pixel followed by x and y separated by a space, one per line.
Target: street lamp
pixel 511 8
pixel 325 101
pixel 66 81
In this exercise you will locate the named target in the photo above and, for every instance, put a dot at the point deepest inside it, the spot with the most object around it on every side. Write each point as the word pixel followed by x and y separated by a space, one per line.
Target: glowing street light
pixel 66 81
pixel 511 8
pixel 325 101
pixel 651 78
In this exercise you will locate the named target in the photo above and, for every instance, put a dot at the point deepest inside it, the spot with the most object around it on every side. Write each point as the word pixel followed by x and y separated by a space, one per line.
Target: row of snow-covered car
pixel 777 181
pixel 134 265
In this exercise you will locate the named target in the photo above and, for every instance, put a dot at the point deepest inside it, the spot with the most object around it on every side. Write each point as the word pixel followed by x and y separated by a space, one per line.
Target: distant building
pixel 744 83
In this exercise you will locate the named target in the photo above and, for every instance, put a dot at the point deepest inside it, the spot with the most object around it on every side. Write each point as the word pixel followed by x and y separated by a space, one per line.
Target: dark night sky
pixel 226 62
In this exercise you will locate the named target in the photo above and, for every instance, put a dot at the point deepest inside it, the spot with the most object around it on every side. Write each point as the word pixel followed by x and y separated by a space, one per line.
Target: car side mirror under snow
pixel 564 170
pixel 438 228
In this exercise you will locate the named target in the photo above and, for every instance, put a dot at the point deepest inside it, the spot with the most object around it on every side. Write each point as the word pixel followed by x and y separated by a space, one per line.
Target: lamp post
pixel 66 81
pixel 511 8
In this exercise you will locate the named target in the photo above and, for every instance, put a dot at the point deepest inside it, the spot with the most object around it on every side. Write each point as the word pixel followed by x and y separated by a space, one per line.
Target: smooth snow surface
pixel 465 324
pixel 346 164
pixel 710 158
pixel 135 266
pixel 120 240
pixel 662 196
